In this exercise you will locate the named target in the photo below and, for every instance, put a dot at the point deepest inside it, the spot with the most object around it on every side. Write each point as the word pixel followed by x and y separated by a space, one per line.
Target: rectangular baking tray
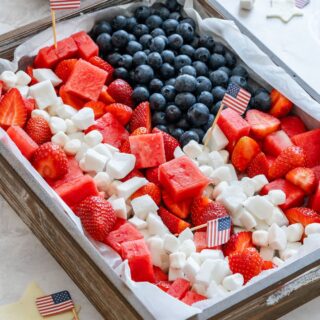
pixel 270 297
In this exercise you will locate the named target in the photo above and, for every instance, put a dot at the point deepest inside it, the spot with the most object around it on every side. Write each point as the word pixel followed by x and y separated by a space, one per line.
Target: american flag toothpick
pixel 302 3
pixel 218 231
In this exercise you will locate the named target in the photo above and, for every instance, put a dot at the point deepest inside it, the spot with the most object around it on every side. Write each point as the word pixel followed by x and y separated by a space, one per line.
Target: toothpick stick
pixel 75 314
pixel 213 125
pixel 198 227
pixel 53 16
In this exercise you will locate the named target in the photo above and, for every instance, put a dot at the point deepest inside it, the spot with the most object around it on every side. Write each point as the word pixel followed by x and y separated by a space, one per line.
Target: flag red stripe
pixel 48 311
pixel 50 306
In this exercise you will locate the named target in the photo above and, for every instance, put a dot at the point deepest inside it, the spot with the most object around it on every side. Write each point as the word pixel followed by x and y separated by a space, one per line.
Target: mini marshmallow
pixel 216 291
pixel 145 233
pixel 103 149
pixel 224 155
pixel 138 223
pixel 259 206
pixel 222 173
pixel 155 245
pixel 46 74
pixel 246 219
pixel 312 241
pixel 24 91
pixel 93 138
pixel 294 232
pixel 185 235
pixel 53 110
pixel 71 128
pixel 143 205
pixel 196 257
pixel 44 94
pixel 200 288
pixel 203 158
pixel 65 111
pixel 206 170
pixel 248 186
pixel 277 237
pixel 155 225
pixel 190 269
pixel 231 200
pixel 211 254
pixel 84 118
pixel 23 79
pixel 233 171
pixel 312 228
pixel 82 165
pixel 9 78
pixel 111 148
pixel 165 263
pixel 82 152
pixel 220 271
pixel 260 181
pixel 60 139
pixel 287 253
pixel 174 274
pixel 171 243
pixel 277 217
pixel 77 135
pixel 277 261
pixel 193 149
pixel 260 238
pixel 261 225
pixel 113 188
pixel 277 197
pixel 246 4
pixel 204 276
pixel 217 139
pixel 215 159
pixel 94 161
pixel 57 124
pixel 267 253
pixel 178 152
pixel 40 113
pixel 72 147
pixel 233 282
pixel 177 260
pixel 103 180
pixel 129 187
pixel 237 230
pixel 219 188
pixel 121 165
pixel 188 246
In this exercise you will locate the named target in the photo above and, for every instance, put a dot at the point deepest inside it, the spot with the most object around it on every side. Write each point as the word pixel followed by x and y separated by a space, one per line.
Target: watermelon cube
pixel 179 288
pixel 310 142
pixel 66 49
pixel 275 142
pixel 86 81
pixel 139 259
pixel 164 285
pixel 159 275
pixel 192 297
pixel 76 190
pixel 182 178
pixel 125 232
pixel 86 46
pixel 46 58
pixel 148 149
pixel 233 126
pixel 292 125
pixel 314 202
pixel 294 195
pixel 111 129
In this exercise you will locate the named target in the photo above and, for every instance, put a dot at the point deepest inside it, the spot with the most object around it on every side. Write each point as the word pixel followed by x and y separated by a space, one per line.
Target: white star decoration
pixel 284 10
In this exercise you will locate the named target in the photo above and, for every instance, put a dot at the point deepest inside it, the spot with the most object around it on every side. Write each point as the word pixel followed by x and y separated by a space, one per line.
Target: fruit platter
pixel 118 150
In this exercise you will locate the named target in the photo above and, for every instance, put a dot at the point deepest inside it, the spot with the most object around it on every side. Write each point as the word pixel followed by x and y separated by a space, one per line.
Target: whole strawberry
pixel 170 143
pixel 121 91
pixel 141 117
pixel 97 217
pixel 50 161
pixel 38 129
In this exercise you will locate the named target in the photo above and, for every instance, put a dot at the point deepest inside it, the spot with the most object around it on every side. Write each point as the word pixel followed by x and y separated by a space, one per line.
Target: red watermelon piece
pixel 192 297
pixel 314 202
pixel 66 49
pixel 159 275
pixel 46 58
pixel 179 288
pixel 164 285
pixel 86 46
pixel 148 149
pixel 292 125
pixel 276 142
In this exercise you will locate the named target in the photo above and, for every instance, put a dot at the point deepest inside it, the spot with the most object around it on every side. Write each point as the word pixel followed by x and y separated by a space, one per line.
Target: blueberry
pixel 181 61
pixel 218 93
pixel 131 37
pixel 216 61
pixel 104 42
pixel 120 38
pixel 140 94
pixel 219 78
pixel 131 23
pixel 159 118
pixel 226 70
pixel 195 42
pixel 168 56
pixel 147 51
pixel 190 21
pixel 262 101
pixel 186 31
pixel 173 113
pixel 121 73
pixel 188 70
pixel 176 133
pixel 125 61
pixel 143 74
pixel 101 27
pixel 201 68
pixel 206 98
pixel 169 92
pixel 187 136
pixel 175 41
pixel 139 58
pixel 187 50
pixel 172 5
pixel 167 71
pixel 140 29
pixel 145 40
pixel 231 59
pixel 207 42
pixel 165 39
pixel 198 114
pixel 162 127
pixel 200 132
pixel 170 26
pixel 170 82
pixel 155 85
pixel 175 15
pixel 157 44
pixel 142 13
pixel 164 13
pixel 119 22
pixel 183 124
pixel 240 71
pixel 114 59
pixel 209 123
pixel 154 22
pixel 154 60
pixel 157 102
pixel 203 84
pixel 133 47
pixel 185 100
pixel 202 54
pixel 157 32
pixel 219 48
pixel 186 83
pixel 240 81
pixel 215 108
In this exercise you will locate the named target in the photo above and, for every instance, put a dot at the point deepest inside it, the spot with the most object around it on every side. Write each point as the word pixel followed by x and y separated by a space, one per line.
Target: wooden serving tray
pixel 282 291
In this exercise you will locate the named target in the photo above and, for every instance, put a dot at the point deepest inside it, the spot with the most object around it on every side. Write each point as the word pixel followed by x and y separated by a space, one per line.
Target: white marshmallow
pixel 246 219
pixel 57 125
pixel 219 188
pixel 143 205
pixel 294 232
pixel 277 197
pixel 82 165
pixel 9 78
pixel 259 206
pixel 93 138
pixel 171 243
pixel 211 254
pixel 103 149
pixel 312 241
pixel 277 237
pixel 287 253
pixel 138 223
pixel 178 152
pixel 260 238
pixel 53 110
pixel 196 257
pixel 23 79
pixel 203 158
pixel 40 113
pixel 312 228
pixel 94 161
pixel 71 128
pixel 65 111
pixel 277 261
pixel 220 271
pixel 200 288
pixel 188 247
pixel 224 155
pixel 103 180
pixel 82 152
pixel 267 253
pixel 233 282
pixel 185 235
pixel 216 291
pixel 177 260
pixel 113 188
pixel 248 186
pixel 246 4
pixel 155 225
pixel 206 170
pixel 60 139
pixel 233 171
pixel 111 148
pixel 204 276
pixel 84 118
pixel 44 94
pixel 121 165
pixel 129 187
pixel 217 139
pixel 155 245
pixel 72 147
pixel 46 74
pixel 174 274
pixel 261 225
pixel 190 269
pixel 232 199
pixel 277 217
pixel 77 135
pixel 215 159
pixel 222 173
pixel 260 181
pixel 24 91
pixel 193 149
pixel 119 206
pixel 165 263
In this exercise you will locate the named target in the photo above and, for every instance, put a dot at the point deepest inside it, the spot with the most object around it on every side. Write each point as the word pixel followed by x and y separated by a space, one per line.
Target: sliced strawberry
pixel 302 215
pixel 170 143
pixel 105 96
pixel 259 165
pixel 316 171
pixel 267 265
pixel 280 105
pixel 244 152
pixel 125 147
pixel 276 142
pixel 292 125
pixel 314 201
pixel 29 71
pixel 64 69
pixel 152 174
pixel 122 112
pixel 30 105
pixel 180 209
pixel 150 189
pixel 238 242
pixel 98 108
pixel 70 99
pixel 121 91
pixel 303 178
pixel 12 109
pixel 104 65
pixel 141 117
pixel 38 129
pixel 174 224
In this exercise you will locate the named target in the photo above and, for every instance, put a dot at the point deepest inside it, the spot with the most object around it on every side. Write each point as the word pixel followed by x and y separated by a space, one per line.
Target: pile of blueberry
pixel 183 75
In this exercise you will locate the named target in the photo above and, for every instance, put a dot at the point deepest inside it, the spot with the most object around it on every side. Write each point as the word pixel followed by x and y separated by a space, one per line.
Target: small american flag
pixel 54 304
pixel 302 3
pixel 236 98
pixel 64 4
pixel 218 231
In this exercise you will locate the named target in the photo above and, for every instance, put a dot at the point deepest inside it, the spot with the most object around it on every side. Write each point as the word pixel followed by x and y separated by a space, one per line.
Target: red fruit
pixel 12 109
pixel 288 159
pixel 316 171
pixel 104 65
pixel 121 91
pixel 238 242
pixel 46 58
pixel 192 297
pixel 203 210
pixel 179 288
pixel 258 165
pixel 302 215
pixel 64 69
pixel 98 108
pixel 38 129
pixel 149 189
pixel 267 265
pixel 174 224
pixel 314 201
pixel 29 71
pixel 119 222
pixel 141 117
pixel 280 105
pixel 200 240
pixel 122 112
pixel 152 174
pixel 97 217
pixel 133 173
pixel 261 123
pixel 170 143
pixel 86 46
pixel 30 105
pixel 159 275
pixel 125 147
pixel 248 263
pixel 180 209
pixel 292 125
pixel 139 131
pixel 70 99
pixel 66 49
pixel 105 96
pixel 244 152
pixel 276 142
pixel 164 285
pixel 50 161
pixel 303 178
